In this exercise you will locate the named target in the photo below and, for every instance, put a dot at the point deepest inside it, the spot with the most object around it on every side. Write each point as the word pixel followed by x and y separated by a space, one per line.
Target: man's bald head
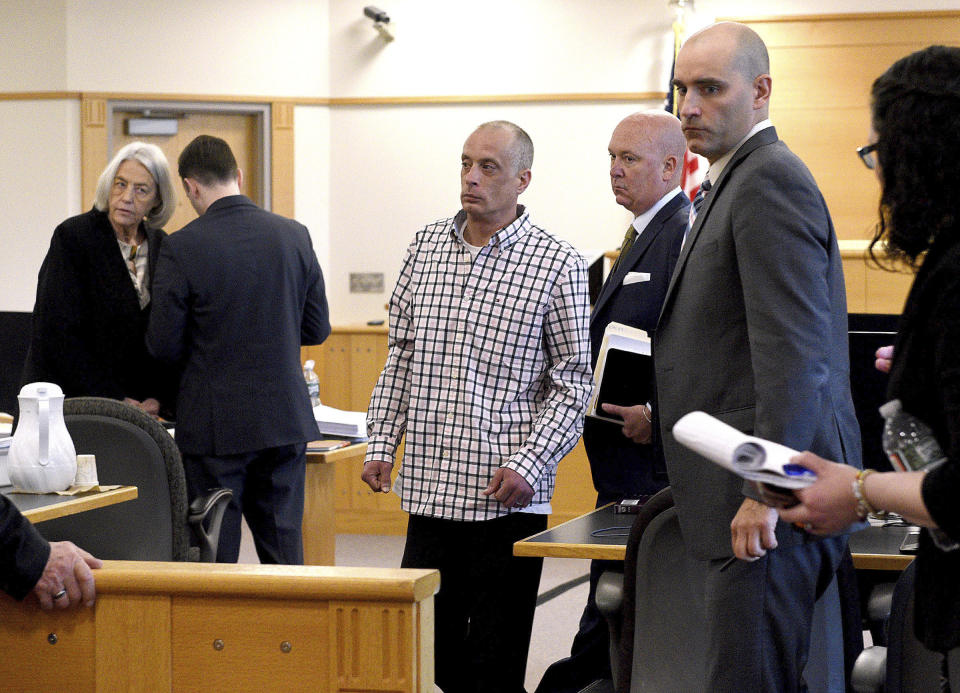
pixel 745 49
pixel 662 131
pixel 723 86
pixel 646 159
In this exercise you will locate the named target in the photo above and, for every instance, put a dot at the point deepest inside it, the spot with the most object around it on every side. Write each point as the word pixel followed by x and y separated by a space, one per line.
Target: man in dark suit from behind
pixel 626 461
pixel 236 293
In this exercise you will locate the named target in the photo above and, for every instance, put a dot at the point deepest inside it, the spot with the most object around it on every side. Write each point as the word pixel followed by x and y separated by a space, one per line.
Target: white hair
pixel 153 159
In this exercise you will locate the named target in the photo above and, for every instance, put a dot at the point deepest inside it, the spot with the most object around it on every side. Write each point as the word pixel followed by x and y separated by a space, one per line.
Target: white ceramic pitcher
pixel 42 457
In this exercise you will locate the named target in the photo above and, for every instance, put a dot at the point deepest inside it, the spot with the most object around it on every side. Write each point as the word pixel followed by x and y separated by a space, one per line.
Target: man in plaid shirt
pixel 488 374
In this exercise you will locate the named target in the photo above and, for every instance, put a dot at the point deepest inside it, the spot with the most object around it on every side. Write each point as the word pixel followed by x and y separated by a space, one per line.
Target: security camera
pixel 376 14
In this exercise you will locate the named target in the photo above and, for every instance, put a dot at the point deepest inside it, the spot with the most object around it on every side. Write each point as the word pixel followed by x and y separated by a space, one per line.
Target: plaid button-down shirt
pixel 489 366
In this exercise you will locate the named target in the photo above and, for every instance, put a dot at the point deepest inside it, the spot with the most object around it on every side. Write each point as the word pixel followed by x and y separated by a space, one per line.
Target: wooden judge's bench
pixel 217 627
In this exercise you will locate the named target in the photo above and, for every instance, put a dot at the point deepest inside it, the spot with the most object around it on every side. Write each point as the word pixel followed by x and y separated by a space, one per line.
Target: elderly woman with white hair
pixel 93 292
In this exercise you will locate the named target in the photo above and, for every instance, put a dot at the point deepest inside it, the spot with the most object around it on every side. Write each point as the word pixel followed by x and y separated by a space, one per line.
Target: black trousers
pixel 484 610
pixel 267 490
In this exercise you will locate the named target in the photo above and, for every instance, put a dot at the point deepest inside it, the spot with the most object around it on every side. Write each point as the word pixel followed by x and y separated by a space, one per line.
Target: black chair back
pixel 131 449
pixel 910 666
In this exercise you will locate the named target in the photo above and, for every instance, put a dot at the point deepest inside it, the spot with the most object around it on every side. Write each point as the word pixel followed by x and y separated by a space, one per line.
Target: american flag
pixel 694 165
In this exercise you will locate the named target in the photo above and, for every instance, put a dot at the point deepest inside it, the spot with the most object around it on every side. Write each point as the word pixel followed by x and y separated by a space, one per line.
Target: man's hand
pixel 377 475
pixel 67 579
pixel 149 405
pixel 636 421
pixel 511 489
pixel 752 530
pixel 884 357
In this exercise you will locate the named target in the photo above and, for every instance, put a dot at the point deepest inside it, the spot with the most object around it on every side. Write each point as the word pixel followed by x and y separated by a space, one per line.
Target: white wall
pixel 248 47
pixel 32 37
pixel 366 176
pixel 500 47
pixel 39 188
pixel 312 177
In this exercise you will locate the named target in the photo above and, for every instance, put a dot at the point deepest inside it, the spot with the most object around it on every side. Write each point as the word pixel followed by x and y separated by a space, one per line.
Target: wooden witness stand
pixel 218 627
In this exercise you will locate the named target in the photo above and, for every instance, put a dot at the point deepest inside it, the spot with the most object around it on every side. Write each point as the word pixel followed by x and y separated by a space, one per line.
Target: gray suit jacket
pixel 754 331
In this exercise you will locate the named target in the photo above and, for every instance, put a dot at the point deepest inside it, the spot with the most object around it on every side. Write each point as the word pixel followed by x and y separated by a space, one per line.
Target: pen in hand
pixel 728 563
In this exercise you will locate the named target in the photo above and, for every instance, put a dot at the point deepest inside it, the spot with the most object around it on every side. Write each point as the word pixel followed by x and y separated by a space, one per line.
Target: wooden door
pixel 239 130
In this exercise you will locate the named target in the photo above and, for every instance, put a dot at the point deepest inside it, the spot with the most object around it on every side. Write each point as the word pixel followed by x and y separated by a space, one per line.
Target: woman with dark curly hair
pixel 914 149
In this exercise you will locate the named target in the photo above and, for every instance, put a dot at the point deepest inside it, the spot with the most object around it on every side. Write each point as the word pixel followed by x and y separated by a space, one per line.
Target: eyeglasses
pixel 866 155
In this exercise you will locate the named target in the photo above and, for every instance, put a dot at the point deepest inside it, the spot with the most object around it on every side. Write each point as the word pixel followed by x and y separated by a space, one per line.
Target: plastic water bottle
pixel 313 383
pixel 911 446
pixel 908 442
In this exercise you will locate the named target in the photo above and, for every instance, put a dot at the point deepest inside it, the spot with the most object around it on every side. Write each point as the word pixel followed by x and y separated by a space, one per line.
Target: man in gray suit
pixel 753 331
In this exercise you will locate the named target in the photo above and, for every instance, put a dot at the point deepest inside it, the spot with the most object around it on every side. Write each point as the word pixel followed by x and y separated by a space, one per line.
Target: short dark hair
pixel 916 115
pixel 208 160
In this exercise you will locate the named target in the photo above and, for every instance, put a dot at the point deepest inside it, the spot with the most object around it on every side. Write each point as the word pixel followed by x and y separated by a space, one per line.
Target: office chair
pixel 904 665
pixel 647 606
pixel 655 610
pixel 134 449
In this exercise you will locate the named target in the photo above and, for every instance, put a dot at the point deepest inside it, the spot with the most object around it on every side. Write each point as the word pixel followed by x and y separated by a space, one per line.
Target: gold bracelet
pixel 643 413
pixel 864 508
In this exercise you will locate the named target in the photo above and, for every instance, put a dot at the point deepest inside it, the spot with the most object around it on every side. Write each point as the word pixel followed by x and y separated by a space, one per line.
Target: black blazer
pixel 620 467
pixel 925 377
pixel 88 328
pixel 237 292
pixel 23 552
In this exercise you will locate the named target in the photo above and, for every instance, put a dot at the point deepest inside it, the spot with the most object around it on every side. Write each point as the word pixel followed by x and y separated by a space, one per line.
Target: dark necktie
pixel 701 194
pixel 628 238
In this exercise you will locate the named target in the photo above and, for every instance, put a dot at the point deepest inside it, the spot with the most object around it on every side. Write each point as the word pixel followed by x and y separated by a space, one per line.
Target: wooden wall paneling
pixel 886 290
pixel 822 70
pixel 855 275
pixel 133 643
pixel 369 354
pixel 281 166
pixel 574 494
pixel 337 356
pixel 93 146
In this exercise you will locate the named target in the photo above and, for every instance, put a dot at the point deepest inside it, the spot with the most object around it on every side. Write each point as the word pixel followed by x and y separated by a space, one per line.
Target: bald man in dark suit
pixel 626 461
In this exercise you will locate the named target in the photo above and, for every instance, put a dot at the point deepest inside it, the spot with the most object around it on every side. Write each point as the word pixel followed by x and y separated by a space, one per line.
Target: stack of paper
pixel 624 371
pixel 752 458
pixel 336 422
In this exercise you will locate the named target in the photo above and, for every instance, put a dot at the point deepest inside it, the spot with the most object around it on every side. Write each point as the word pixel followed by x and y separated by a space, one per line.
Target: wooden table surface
pixel 602 534
pixel 49 506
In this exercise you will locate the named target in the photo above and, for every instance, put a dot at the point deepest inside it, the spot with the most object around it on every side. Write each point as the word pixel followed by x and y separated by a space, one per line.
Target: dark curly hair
pixel 916 115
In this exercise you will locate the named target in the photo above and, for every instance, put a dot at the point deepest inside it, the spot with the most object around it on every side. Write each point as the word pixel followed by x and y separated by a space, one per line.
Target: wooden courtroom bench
pixel 216 627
